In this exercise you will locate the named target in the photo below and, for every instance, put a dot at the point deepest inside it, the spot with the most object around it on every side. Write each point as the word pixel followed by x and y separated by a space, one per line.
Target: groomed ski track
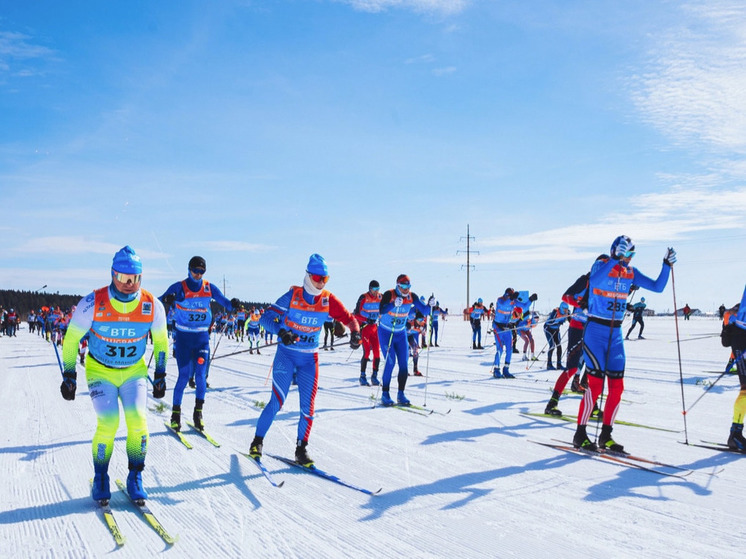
pixel 461 485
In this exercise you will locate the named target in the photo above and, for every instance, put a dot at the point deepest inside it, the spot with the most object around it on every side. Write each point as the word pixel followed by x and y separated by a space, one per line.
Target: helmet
pixel 564 307
pixel 373 283
pixel 642 299
pixel 479 300
pixel 126 261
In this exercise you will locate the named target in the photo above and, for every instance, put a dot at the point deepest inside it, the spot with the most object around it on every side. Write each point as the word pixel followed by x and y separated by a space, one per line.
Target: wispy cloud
pixel 424 6
pixel 19 46
pixel 693 87
pixel 648 219
pixel 59 245
pixel 444 71
pixel 236 246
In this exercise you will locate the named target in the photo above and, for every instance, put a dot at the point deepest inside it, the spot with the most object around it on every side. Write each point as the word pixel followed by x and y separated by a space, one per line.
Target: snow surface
pixel 466 484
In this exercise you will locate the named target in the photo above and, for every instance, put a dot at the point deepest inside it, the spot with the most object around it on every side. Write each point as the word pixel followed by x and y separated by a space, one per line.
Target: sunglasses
pixel 318 278
pixel 403 285
pixel 127 278
pixel 375 288
pixel 198 271
pixel 629 254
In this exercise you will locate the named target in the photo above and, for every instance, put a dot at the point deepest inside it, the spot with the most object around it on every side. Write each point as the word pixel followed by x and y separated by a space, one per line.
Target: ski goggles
pixel 629 254
pixel 127 278
pixel 198 271
pixel 318 278
pixel 374 288
pixel 403 286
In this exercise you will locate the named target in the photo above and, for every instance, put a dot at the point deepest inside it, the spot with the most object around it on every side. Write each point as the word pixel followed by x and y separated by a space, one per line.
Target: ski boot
pixel 576 386
pixel 301 454
pixel 417 373
pixel 551 408
pixel 402 400
pixel 191 383
pixel 506 373
pixel 597 414
pixel 550 366
pixel 198 414
pixel 386 400
pixel 736 440
pixel 134 483
pixel 581 440
pixel 255 450
pixel 374 378
pixel 606 442
pixel 176 418
pixel 100 490
pixel 363 380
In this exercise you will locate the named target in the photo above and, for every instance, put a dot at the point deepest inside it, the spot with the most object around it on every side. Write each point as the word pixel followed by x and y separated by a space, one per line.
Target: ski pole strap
pixel 605 322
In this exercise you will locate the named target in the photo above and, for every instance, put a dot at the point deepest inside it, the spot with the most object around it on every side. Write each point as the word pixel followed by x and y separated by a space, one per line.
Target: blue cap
pixel 564 307
pixel 126 261
pixel 317 265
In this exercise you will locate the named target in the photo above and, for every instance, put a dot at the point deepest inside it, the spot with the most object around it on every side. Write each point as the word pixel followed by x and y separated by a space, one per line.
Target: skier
pixel 367 310
pixel 603 345
pixel 435 322
pixel 637 311
pixel 577 297
pixel 475 317
pixel 503 332
pixel 394 308
pixel 734 335
pixel 297 318
pixel 253 329
pixel 191 298
pixel 117 319
pixel 556 318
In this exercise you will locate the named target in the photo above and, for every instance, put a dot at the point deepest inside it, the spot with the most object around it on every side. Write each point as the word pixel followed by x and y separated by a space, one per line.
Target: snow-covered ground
pixel 466 484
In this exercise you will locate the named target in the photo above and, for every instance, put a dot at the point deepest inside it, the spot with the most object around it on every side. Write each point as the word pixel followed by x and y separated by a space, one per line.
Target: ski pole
pixel 727 368
pixel 59 361
pixel 427 360
pixel 678 349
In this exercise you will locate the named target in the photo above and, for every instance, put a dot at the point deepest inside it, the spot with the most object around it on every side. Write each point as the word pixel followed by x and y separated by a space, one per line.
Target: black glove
pixel 370 321
pixel 286 337
pixel 159 385
pixel 168 300
pixel 514 295
pixel 630 307
pixel 533 297
pixel 633 287
pixel 355 340
pixel 69 384
pixel 236 303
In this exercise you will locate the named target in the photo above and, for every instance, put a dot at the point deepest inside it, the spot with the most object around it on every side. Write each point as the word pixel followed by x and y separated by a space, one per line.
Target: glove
pixel 398 301
pixel 514 295
pixel 533 297
pixel 355 340
pixel 236 303
pixel 621 249
pixel 69 384
pixel 431 301
pixel 633 287
pixel 159 385
pixel 286 337
pixel 169 299
pixel 370 321
pixel 670 257
pixel 630 308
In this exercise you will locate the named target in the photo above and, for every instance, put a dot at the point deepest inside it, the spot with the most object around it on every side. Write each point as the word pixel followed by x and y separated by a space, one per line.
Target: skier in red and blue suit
pixel 609 285
pixel 392 335
pixel 191 298
pixel 366 312
pixel 297 318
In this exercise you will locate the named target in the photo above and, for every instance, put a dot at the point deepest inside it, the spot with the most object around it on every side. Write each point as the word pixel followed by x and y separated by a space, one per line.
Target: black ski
pixel 321 473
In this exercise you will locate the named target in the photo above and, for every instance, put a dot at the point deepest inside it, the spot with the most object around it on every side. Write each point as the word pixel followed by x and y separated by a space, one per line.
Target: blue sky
pixel 255 133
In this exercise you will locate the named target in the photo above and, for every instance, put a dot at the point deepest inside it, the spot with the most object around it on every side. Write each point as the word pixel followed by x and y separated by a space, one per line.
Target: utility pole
pixel 468 265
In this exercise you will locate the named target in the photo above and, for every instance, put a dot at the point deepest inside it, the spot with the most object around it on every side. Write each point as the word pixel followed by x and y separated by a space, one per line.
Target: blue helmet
pixel 642 299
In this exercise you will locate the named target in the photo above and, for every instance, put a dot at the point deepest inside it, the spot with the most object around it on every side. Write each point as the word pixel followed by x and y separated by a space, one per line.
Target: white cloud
pixel 236 246
pixel 424 6
pixel 693 87
pixel 55 246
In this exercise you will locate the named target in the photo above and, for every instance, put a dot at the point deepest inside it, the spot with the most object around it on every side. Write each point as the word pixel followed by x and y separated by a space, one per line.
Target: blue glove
pixel 69 384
